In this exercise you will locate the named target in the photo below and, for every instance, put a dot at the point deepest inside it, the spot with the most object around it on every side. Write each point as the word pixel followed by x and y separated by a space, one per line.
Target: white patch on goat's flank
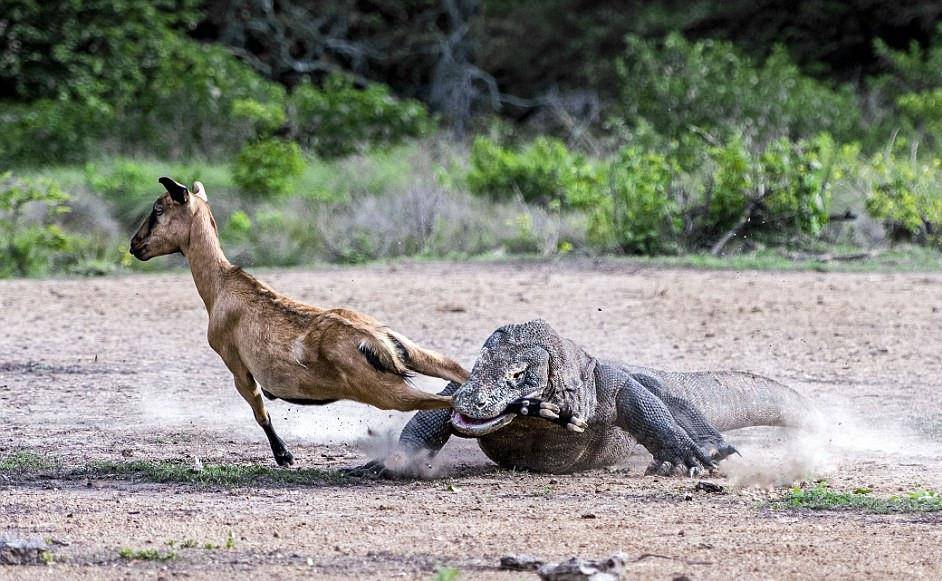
pixel 298 352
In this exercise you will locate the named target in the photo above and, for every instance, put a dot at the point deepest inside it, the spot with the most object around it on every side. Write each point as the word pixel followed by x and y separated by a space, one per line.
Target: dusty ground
pixel 118 369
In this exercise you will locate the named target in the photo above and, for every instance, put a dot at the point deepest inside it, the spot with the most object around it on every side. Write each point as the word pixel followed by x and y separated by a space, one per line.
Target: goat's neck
pixel 207 262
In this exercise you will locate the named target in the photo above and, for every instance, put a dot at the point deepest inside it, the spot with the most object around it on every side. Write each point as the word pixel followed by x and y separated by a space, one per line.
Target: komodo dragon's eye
pixel 519 375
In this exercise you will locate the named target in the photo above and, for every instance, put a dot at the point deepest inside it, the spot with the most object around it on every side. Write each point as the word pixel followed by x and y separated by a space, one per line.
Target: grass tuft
pixel 823 497
pixel 146 555
pixel 211 474
pixel 447 574
pixel 25 462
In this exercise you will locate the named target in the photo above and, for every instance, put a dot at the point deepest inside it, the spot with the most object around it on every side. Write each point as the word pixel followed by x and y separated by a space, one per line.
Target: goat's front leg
pixel 249 390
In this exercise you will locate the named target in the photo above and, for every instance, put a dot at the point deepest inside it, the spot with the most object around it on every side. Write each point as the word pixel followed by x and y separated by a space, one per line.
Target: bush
pixel 544 172
pixel 906 195
pixel 640 215
pixel 122 72
pixel 787 185
pixel 127 185
pixel 916 69
pixel 48 131
pixel 676 85
pixel 87 50
pixel 653 207
pixel 30 244
pixel 196 102
pixel 338 118
pixel 268 167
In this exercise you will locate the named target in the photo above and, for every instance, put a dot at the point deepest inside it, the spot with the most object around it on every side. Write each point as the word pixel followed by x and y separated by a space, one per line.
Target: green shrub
pixel 127 185
pixel 48 131
pixel 196 102
pixel 265 117
pixel 543 172
pixel 338 118
pixel 87 50
pixel 237 228
pixel 906 195
pixel 923 112
pixel 523 239
pixel 268 167
pixel 121 72
pixel 797 175
pixel 915 69
pixel 640 214
pixel 787 184
pixel 676 85
pixel 653 207
pixel 30 245
pixel 732 180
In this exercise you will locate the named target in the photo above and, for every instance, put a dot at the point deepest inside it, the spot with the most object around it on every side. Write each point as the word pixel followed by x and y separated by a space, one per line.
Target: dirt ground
pixel 119 369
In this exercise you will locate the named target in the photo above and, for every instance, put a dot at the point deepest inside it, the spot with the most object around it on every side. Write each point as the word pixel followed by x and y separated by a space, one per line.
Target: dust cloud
pixel 844 438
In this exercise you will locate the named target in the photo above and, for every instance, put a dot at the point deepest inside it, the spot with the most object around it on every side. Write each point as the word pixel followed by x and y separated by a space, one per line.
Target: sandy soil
pixel 119 369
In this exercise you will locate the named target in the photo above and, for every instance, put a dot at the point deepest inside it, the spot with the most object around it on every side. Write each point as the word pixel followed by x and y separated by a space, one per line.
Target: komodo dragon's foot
pixel 719 450
pixel 372 469
pixel 681 455
pixel 548 411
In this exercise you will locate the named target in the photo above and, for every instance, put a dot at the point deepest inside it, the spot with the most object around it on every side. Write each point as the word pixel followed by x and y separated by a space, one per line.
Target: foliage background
pixel 356 130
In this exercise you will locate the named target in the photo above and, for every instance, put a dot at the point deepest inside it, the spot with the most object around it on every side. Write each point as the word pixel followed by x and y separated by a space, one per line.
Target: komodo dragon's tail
pixel 735 399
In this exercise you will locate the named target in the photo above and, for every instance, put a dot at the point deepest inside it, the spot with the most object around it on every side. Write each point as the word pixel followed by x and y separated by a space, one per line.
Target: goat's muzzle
pixel 138 250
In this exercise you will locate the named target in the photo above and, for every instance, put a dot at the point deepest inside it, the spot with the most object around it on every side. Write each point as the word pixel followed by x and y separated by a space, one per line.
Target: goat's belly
pixel 286 380
pixel 532 444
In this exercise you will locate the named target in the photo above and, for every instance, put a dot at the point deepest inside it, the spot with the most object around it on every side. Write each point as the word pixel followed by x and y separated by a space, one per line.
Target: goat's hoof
pixel 284 458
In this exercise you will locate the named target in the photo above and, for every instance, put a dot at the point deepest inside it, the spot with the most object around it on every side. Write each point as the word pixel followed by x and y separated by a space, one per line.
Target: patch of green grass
pixel 447 574
pixel 208 546
pixel 25 462
pixel 213 474
pixel 146 555
pixel 823 497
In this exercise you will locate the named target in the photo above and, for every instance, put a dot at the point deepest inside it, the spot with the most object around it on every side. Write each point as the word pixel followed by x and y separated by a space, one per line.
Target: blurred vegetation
pixel 353 131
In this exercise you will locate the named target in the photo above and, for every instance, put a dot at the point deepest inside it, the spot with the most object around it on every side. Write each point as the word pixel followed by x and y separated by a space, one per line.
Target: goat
pixel 279 347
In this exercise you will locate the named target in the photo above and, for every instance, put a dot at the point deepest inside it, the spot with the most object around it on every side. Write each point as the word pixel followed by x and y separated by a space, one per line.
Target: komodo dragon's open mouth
pixel 477 427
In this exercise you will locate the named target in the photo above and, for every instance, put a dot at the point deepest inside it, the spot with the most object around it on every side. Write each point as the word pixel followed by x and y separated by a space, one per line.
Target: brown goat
pixel 295 352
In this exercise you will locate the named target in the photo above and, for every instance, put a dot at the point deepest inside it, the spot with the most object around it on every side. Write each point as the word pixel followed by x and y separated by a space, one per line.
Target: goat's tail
pixel 383 354
pixel 425 361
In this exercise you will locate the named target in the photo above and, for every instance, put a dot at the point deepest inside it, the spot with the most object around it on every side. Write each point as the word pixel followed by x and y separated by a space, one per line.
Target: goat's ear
pixel 177 191
pixel 199 191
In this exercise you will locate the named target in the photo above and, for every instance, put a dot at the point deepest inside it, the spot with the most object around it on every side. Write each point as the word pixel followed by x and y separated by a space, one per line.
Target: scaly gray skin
pixel 537 401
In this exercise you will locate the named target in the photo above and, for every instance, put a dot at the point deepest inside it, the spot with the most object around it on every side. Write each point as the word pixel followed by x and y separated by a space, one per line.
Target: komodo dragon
pixel 537 401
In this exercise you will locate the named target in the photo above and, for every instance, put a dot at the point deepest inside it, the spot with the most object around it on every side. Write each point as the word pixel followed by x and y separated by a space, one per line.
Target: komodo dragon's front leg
pixel 691 419
pixel 651 422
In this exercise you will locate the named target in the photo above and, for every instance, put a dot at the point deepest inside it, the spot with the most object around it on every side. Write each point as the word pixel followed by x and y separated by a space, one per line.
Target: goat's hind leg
pixel 249 390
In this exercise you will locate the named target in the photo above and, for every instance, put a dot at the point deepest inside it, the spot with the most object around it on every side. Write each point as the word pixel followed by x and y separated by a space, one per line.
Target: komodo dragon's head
pixel 521 361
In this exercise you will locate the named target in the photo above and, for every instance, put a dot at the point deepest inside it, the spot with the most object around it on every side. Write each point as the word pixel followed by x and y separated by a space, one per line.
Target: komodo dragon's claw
pixel 548 411
pixel 372 469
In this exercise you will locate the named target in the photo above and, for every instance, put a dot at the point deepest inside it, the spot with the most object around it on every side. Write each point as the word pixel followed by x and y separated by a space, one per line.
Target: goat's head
pixel 167 229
